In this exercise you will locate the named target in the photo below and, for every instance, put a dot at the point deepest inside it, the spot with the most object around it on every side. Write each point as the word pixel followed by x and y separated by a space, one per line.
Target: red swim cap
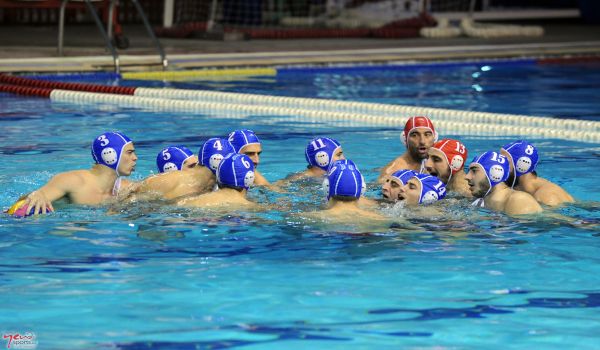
pixel 455 153
pixel 417 122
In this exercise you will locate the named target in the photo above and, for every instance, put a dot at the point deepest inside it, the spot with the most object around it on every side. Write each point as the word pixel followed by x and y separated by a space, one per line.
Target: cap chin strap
pixel 447 161
pixel 118 162
pixel 510 158
pixel 489 182
pixel 514 181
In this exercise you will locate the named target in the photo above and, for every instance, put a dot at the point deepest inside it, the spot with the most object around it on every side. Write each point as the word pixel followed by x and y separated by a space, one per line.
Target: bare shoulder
pixel 72 178
pixel 164 183
pixel 367 203
pixel 521 203
pixel 259 179
pixel 551 194
pixel 394 165
pixel 159 180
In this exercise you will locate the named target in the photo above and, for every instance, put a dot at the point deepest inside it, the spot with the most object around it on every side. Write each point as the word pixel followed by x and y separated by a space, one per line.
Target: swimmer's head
pixel 213 151
pixel 322 151
pixel 486 171
pixel 423 189
pixel 393 183
pixel 173 158
pixel 522 157
pixel 242 138
pixel 246 142
pixel 344 181
pixel 446 158
pixel 236 171
pixel 109 149
pixel 418 136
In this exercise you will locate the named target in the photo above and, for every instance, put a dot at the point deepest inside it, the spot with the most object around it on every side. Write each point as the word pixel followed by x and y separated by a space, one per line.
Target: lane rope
pixel 312 109
pixel 244 111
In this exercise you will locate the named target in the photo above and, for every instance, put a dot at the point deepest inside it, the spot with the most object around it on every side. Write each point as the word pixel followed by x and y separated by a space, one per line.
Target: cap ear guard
pixel 213 151
pixel 457 163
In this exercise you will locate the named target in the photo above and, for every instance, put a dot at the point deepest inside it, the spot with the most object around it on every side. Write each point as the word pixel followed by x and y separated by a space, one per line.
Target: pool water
pixel 171 278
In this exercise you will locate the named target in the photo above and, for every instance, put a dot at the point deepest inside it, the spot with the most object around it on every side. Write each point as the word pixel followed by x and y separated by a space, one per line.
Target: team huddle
pixel 224 169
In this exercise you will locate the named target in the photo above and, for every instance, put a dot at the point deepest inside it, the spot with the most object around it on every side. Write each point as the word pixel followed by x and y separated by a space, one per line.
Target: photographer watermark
pixel 17 340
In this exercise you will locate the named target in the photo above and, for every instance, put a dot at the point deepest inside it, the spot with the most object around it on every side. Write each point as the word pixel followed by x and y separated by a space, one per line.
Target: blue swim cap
pixel 213 151
pixel 495 167
pixel 319 152
pixel 344 179
pixel 241 138
pixel 432 188
pixel 107 148
pixel 172 158
pixel 236 170
pixel 404 175
pixel 523 156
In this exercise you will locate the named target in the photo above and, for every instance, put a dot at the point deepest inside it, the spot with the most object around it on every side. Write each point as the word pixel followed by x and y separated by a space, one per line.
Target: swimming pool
pixel 168 278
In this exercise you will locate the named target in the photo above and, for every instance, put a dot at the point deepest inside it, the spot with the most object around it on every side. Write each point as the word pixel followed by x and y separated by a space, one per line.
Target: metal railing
pixel 107 35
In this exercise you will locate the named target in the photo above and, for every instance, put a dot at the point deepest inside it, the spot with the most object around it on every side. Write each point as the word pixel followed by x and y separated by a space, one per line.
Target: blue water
pixel 168 278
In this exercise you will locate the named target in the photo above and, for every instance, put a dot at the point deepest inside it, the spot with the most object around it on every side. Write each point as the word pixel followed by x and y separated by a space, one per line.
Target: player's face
pixel 478 182
pixel 338 155
pixel 410 192
pixel 419 141
pixel 437 165
pixel 253 151
pixel 390 190
pixel 128 160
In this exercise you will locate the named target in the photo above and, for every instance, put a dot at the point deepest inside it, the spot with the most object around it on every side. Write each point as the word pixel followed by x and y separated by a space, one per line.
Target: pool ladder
pixel 107 36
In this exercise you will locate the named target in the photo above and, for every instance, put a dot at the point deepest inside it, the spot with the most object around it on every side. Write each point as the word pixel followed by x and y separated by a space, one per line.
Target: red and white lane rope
pixel 238 105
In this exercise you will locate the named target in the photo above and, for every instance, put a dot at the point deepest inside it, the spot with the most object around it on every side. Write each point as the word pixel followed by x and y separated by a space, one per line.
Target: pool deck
pixel 34 48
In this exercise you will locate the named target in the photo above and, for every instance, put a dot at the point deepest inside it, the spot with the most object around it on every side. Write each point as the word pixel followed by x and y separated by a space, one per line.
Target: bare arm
pixel 290 178
pixel 259 180
pixel 157 184
pixel 59 186
pixel 386 171
pixel 170 186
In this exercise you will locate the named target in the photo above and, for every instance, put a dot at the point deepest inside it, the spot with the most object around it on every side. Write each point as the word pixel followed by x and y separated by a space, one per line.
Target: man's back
pixel 546 192
pixel 225 198
pixel 176 184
